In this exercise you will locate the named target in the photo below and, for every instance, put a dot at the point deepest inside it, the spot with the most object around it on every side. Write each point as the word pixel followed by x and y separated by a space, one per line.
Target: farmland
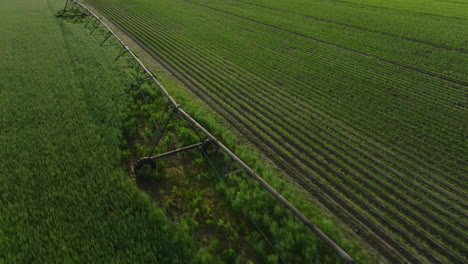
pixel 73 119
pixel 362 103
pixel 64 196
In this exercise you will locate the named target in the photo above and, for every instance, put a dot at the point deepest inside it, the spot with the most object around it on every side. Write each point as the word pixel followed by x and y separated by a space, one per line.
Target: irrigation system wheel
pixel 208 145
pixel 145 166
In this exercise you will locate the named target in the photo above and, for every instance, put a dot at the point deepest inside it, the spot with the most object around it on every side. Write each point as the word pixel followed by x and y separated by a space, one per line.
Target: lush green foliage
pixel 361 102
pixel 64 196
pixel 245 223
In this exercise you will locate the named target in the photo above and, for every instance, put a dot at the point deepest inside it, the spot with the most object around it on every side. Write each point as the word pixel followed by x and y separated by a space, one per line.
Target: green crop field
pixel 72 123
pixel 64 196
pixel 362 103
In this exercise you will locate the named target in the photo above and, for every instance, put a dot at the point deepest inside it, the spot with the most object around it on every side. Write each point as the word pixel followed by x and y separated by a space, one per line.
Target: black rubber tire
pixel 207 145
pixel 145 164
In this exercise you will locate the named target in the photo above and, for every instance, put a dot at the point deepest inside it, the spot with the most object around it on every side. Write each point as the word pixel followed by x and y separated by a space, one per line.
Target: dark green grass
pixel 64 196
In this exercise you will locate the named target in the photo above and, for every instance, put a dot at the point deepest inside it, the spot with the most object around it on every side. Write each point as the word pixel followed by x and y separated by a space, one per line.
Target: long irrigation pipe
pixel 342 253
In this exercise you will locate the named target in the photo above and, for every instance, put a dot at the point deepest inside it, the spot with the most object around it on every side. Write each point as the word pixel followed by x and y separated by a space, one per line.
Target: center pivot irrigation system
pixel 93 22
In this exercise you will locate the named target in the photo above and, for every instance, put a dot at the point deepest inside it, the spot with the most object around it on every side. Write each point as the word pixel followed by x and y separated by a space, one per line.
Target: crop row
pixel 445 62
pixel 203 69
pixel 300 53
pixel 366 118
pixel 408 139
pixel 284 107
pixel 413 87
pixel 375 18
pixel 411 141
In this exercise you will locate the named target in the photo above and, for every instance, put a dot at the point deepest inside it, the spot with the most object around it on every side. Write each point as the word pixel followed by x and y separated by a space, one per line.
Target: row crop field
pixel 362 103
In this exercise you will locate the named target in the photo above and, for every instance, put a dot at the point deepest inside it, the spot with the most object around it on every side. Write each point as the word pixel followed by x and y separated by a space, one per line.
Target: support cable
pixel 163 130
pixel 209 162
pixel 95 27
pixel 89 20
pixel 265 237
pixel 244 211
pixel 66 5
pixel 106 38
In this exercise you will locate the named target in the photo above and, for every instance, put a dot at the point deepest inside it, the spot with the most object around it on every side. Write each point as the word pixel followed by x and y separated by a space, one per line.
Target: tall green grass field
pixel 64 196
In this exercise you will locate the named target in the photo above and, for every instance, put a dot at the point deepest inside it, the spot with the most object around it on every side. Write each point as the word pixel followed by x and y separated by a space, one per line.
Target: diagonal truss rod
pixel 89 21
pixel 66 5
pixel 72 7
pixel 106 38
pixel 96 25
pixel 183 149
pixel 176 108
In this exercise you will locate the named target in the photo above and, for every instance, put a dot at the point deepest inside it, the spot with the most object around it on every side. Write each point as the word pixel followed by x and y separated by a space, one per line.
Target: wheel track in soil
pixel 237 120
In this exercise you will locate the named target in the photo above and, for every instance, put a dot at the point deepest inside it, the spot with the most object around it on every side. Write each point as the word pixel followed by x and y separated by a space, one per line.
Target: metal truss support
pixel 72 7
pixel 96 25
pixel 173 152
pixel 91 18
pixel 151 161
pixel 109 34
pixel 121 53
pixel 141 75
pixel 108 45
pixel 66 5
pixel 85 14
pixel 143 79
pixel 229 169
pixel 226 168
pixel 175 109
